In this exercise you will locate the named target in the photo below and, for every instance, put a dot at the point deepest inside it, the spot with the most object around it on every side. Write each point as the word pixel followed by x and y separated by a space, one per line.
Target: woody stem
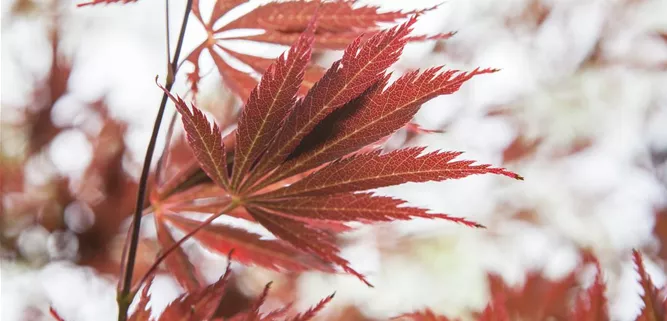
pixel 124 297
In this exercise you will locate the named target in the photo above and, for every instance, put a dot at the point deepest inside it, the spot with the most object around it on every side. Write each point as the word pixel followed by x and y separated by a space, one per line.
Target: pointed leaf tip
pixel 313 311
pixel 204 139
pixel 55 314
pixel 363 64
pixel 269 103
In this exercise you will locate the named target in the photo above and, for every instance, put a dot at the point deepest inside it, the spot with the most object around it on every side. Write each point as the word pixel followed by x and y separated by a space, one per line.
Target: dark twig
pixel 125 297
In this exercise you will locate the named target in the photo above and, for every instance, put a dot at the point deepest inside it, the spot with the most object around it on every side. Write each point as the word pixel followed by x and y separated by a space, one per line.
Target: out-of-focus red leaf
pixel 339 23
pixel 660 231
pixel 538 298
pixel 520 148
pixel 591 305
pixel 495 311
pixel 654 306
pixel 46 91
pixel 425 315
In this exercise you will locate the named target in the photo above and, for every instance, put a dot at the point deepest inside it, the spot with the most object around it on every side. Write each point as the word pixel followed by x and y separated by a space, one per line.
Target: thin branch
pixel 124 297
pixel 123 258
pixel 177 244
pixel 166 27
pixel 165 152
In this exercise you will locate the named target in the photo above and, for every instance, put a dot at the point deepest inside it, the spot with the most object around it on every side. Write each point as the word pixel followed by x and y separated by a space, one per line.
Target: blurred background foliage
pixel 579 109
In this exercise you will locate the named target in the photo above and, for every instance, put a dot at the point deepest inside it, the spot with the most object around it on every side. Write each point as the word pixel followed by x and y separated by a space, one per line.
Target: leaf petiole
pixel 177 244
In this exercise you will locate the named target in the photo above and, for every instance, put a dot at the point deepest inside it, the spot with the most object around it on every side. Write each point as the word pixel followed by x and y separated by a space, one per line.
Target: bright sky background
pixel 603 197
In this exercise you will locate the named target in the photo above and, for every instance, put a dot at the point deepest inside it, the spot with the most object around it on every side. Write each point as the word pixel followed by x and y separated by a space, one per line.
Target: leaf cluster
pixel 301 166
pixel 564 299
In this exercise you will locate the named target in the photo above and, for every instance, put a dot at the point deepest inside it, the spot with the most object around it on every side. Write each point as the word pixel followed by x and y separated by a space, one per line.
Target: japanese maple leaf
pixel 281 23
pixel 299 165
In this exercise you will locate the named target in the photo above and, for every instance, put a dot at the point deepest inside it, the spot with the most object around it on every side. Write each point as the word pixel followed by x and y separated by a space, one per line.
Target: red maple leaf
pixel 281 23
pixel 538 298
pixel 297 166
pixel 541 299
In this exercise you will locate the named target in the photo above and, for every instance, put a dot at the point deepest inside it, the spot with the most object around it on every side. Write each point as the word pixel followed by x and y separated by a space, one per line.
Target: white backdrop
pixel 602 198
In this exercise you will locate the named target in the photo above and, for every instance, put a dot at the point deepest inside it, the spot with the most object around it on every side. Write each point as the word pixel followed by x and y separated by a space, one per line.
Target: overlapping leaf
pixel 424 315
pixel 269 104
pixel 248 247
pixel 374 115
pixel 349 77
pixel 200 303
pixel 300 180
pixel 539 298
pixel 281 23
pixel 206 142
